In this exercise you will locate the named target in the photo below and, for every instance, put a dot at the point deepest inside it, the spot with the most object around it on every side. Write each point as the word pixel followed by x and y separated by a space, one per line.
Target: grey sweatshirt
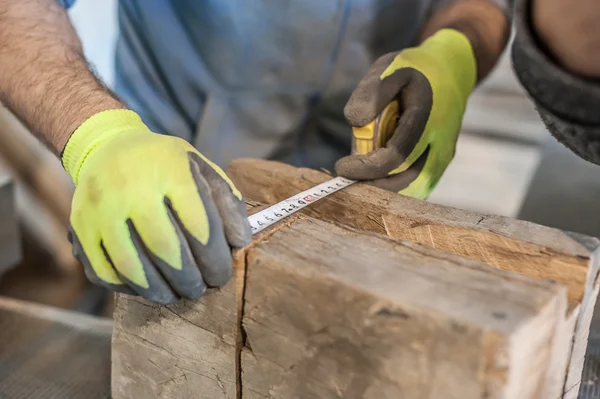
pixel 568 104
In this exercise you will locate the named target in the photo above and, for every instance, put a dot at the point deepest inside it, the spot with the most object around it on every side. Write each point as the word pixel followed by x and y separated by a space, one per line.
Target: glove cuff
pixel 456 52
pixel 96 131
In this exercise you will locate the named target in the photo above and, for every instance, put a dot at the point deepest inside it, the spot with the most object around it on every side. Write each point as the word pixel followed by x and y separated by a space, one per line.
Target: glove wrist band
pixel 94 132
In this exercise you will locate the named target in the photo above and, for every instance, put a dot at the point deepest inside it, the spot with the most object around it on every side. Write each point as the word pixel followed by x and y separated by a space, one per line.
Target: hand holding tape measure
pixel 406 114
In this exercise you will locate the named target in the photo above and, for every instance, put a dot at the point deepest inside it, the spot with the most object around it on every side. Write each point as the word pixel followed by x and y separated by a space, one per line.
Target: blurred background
pixel 506 164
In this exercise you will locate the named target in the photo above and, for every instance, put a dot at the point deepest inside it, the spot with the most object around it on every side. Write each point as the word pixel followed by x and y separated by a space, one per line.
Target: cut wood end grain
pixel 518 246
pixel 349 299
pixel 505 243
pixel 326 311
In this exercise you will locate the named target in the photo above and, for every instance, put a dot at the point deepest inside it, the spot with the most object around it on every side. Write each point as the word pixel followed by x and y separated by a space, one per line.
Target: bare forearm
pixel 45 79
pixel 482 22
pixel 571 33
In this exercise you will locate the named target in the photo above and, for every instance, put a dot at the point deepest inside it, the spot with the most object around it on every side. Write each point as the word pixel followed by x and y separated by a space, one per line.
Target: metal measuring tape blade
pixel 273 214
pixel 370 137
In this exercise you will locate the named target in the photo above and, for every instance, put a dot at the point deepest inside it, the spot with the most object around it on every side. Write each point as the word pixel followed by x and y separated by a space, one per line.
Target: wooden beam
pixel 369 294
pixel 526 248
pixel 37 168
pixel 10 239
pixel 505 243
pixel 44 189
pixel 330 311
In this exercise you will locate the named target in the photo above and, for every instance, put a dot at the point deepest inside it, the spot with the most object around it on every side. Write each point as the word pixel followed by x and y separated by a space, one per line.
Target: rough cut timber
pixel 10 241
pixel 321 310
pixel 324 311
pixel 44 190
pixel 508 244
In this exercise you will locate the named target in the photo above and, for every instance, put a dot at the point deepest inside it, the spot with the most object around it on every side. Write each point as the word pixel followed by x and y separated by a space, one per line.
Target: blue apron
pixel 256 78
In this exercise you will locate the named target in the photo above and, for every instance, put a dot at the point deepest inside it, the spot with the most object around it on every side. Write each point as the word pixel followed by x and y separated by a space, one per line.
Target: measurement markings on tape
pixel 273 214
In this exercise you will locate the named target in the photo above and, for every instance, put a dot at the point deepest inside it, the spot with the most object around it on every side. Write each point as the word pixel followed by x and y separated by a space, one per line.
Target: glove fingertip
pixel 227 199
pixel 235 223
pixel 354 168
pixel 241 236
pixel 343 169
pixel 359 111
pixel 374 165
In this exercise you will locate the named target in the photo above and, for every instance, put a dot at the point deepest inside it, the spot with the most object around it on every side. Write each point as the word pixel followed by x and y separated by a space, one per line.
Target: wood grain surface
pixel 328 311
pixel 368 294
pixel 501 242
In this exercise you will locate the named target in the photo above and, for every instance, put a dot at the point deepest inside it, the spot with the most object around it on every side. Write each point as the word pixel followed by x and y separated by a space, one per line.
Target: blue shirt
pixel 256 78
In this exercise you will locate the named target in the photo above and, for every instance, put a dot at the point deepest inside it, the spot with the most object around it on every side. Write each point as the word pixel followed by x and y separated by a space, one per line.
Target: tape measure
pixel 273 214
pixel 375 134
pixel 365 139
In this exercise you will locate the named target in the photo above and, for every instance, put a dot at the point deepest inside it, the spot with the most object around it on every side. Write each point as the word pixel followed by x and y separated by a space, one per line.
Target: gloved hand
pixel 431 84
pixel 150 215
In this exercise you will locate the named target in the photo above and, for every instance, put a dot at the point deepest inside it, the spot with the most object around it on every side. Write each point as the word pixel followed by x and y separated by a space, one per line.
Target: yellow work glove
pixel 431 84
pixel 150 215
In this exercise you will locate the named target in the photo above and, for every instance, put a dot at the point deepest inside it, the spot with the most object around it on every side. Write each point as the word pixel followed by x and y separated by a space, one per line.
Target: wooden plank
pixel 501 242
pixel 196 358
pixel 37 168
pixel 327 311
pixel 50 314
pixel 44 189
pixel 582 320
pixel 185 350
pixel 10 240
pixel 412 322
